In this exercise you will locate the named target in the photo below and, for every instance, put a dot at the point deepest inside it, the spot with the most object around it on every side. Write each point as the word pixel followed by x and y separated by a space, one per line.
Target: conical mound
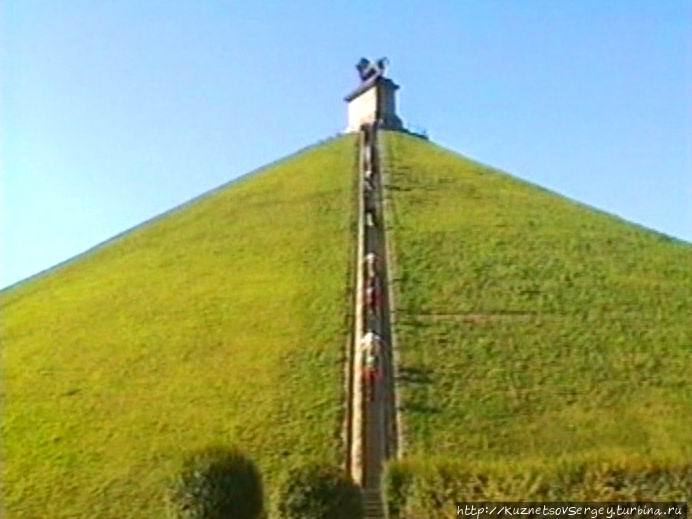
pixel 532 328
pixel 542 347
pixel 222 322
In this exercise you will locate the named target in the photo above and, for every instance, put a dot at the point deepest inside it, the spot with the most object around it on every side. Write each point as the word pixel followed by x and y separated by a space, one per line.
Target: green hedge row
pixel 221 483
pixel 429 489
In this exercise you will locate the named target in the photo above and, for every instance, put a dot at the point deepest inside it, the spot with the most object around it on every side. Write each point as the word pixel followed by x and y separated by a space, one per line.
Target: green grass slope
pixel 221 323
pixel 534 329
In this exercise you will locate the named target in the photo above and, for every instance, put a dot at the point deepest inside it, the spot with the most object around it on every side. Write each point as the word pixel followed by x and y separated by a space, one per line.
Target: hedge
pixel 416 488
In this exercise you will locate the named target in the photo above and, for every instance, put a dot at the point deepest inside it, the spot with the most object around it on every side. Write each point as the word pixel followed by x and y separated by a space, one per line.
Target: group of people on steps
pixel 371 343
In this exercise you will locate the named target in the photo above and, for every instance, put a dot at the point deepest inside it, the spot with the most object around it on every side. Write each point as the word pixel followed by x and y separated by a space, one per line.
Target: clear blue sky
pixel 114 111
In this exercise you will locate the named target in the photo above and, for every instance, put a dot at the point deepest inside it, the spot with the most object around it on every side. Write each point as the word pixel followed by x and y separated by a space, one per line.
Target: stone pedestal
pixel 374 101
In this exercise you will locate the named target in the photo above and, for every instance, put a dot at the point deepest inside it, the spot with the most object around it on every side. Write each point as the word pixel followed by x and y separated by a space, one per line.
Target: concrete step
pixel 372 503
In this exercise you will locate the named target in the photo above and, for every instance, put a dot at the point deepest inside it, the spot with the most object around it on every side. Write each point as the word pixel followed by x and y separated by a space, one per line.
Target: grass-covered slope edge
pixel 239 179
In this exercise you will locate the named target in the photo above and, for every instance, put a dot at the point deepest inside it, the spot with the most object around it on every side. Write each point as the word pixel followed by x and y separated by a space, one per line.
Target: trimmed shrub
pixel 319 492
pixel 217 483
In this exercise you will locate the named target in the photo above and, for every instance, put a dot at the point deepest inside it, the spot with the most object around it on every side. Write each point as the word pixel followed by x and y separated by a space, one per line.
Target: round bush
pixel 319 492
pixel 217 483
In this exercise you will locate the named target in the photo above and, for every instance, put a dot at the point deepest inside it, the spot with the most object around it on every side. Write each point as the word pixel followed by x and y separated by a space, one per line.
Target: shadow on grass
pixel 414 375
pixel 401 189
pixel 421 409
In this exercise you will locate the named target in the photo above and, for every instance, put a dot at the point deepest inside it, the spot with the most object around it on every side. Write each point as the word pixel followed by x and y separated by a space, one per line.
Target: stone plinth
pixel 374 101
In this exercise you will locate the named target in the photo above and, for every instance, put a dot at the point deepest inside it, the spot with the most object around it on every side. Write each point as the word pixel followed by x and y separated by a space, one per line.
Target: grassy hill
pixel 545 346
pixel 534 330
pixel 222 323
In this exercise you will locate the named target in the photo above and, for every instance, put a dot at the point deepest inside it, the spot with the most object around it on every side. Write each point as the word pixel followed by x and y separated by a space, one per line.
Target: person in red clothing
pixel 372 296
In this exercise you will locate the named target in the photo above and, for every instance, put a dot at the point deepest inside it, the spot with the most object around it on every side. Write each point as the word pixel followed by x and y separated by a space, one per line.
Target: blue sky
pixel 115 111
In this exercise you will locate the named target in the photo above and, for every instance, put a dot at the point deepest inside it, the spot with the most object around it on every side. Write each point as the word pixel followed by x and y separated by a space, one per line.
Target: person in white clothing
pixel 371 349
pixel 370 261
pixel 370 220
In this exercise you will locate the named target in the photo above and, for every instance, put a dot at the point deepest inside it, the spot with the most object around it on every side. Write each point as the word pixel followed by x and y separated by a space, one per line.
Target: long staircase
pixel 372 425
